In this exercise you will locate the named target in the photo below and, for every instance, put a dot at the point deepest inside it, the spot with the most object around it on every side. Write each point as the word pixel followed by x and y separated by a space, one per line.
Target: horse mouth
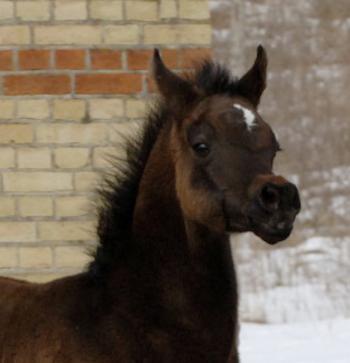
pixel 271 234
pixel 234 225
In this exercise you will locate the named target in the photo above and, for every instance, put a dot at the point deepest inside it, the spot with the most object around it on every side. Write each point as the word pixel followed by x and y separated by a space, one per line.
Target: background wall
pixel 73 77
pixel 307 103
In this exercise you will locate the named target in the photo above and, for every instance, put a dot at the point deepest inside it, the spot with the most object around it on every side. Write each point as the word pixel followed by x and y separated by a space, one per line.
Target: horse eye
pixel 201 149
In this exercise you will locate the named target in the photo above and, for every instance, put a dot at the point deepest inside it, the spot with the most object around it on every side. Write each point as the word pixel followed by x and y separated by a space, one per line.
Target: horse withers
pixel 162 286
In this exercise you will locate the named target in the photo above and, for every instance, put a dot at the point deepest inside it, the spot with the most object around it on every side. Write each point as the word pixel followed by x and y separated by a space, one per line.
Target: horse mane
pixel 118 193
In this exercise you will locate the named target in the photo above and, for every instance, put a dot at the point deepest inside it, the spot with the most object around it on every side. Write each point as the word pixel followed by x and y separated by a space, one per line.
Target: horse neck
pixel 157 215
pixel 161 229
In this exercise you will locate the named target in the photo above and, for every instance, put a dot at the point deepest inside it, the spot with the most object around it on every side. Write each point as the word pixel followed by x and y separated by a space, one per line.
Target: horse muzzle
pixel 273 209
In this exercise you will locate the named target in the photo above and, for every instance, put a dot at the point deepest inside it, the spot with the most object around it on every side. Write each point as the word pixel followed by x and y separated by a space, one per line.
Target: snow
pixel 296 283
pixel 312 342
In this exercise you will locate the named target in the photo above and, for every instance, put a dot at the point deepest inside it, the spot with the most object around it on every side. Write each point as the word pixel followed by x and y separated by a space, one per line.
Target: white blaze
pixel 248 116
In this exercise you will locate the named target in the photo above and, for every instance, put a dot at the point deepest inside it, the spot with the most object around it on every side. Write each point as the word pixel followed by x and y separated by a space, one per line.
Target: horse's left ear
pixel 253 83
pixel 176 90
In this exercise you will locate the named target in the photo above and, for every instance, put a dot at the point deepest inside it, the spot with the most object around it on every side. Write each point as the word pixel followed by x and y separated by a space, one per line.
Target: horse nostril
pixel 269 197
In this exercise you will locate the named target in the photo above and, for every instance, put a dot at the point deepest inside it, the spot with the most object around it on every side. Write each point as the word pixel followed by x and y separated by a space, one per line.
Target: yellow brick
pixel 17 232
pixel 194 9
pixel 72 206
pixel 8 257
pixel 6 10
pixel 168 9
pixel 35 257
pixel 135 108
pixel 67 34
pixel 34 158
pixel 104 156
pixel 35 206
pixel 42 277
pixel 66 231
pixel 106 10
pixel 7 157
pixel 16 133
pixel 71 256
pixel 70 10
pixel 33 10
pixel 33 109
pixel 195 34
pixel 7 207
pixel 69 110
pixel 120 132
pixel 86 181
pixel 177 34
pixel 71 157
pixel 121 34
pixel 37 181
pixel 158 34
pixel 106 108
pixel 14 35
pixel 141 10
pixel 71 133
pixel 7 108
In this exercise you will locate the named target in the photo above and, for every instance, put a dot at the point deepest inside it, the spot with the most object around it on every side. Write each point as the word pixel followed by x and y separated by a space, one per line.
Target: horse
pixel 162 285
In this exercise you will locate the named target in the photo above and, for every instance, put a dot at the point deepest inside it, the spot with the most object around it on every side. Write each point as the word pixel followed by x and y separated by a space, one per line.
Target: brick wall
pixel 73 77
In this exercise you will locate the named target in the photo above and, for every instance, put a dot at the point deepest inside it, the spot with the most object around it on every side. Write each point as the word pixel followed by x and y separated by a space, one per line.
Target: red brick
pixel 151 85
pixel 36 84
pixel 34 59
pixel 170 57
pixel 108 83
pixel 189 57
pixel 105 59
pixel 181 59
pixel 5 60
pixel 70 58
pixel 139 59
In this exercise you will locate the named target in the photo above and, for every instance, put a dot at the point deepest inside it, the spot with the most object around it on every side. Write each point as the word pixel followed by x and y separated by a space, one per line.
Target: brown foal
pixel 162 286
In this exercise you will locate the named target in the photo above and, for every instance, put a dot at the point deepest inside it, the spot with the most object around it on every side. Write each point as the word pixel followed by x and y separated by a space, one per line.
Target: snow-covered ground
pixel 296 283
pixel 316 342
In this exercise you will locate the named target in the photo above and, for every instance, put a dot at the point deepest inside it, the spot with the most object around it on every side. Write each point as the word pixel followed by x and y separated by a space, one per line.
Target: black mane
pixel 212 78
pixel 119 190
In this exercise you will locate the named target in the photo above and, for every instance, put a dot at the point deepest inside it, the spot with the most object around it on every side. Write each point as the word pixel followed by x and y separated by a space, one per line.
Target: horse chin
pixel 271 236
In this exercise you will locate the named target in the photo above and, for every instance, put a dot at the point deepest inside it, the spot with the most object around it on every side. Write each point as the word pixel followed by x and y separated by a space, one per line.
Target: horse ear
pixel 173 88
pixel 253 83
